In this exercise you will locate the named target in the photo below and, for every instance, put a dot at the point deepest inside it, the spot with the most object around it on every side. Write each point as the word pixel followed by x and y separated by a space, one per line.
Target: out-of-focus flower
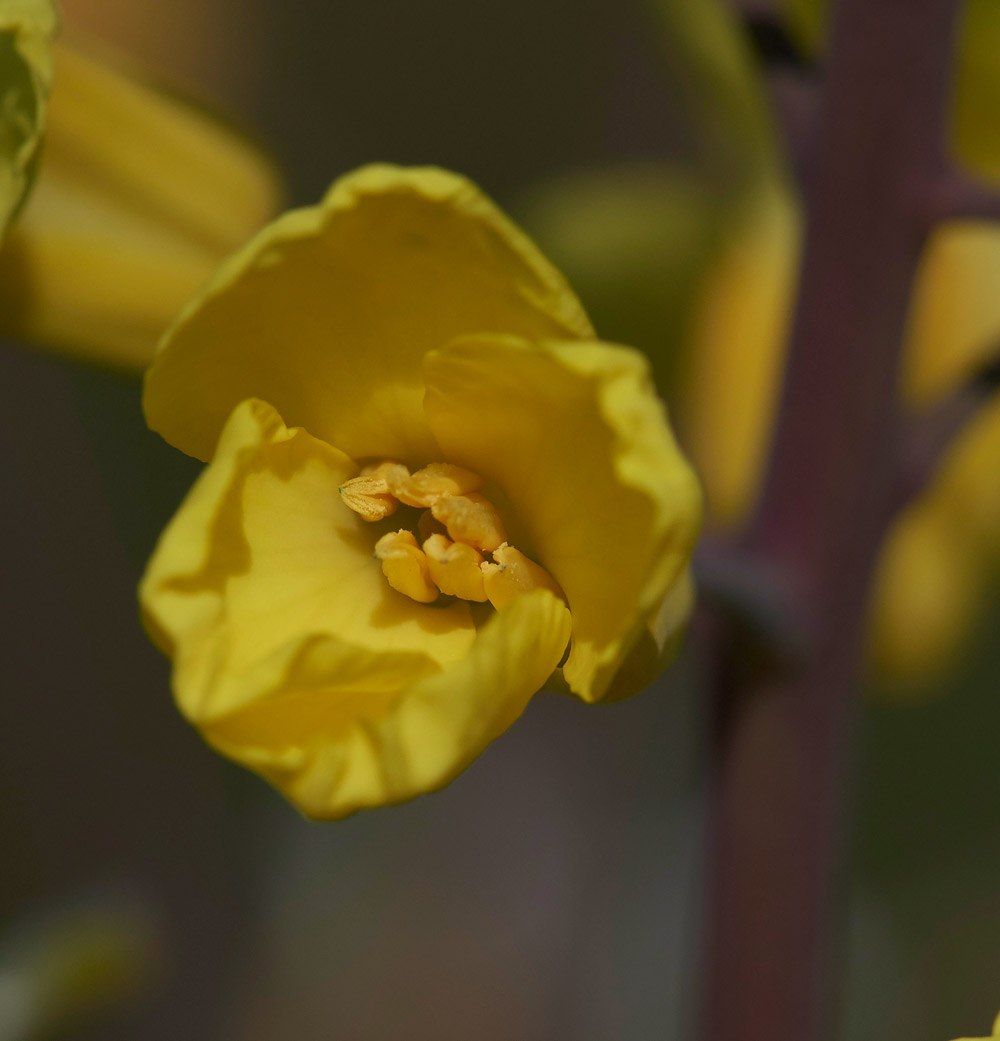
pixel 327 591
pixel 942 551
pixel 139 196
pixel 996 1033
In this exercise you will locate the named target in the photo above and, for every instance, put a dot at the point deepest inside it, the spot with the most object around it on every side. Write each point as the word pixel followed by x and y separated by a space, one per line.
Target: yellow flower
pixel 139 196
pixel 945 547
pixel 996 1033
pixel 469 487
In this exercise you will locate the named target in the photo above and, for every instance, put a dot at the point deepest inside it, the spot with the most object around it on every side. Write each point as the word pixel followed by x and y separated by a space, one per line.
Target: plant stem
pixel 783 743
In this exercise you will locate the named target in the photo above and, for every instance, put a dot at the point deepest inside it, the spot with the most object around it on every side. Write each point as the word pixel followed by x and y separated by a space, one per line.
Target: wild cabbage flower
pixel 135 195
pixel 431 492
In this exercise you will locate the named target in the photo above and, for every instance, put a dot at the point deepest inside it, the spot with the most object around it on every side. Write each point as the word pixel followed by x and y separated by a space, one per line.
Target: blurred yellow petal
pixel 26 31
pixel 736 353
pixel 955 316
pixel 119 134
pixel 923 601
pixel 975 134
pixel 968 485
pixel 392 263
pixel 264 557
pixel 574 436
pixel 140 198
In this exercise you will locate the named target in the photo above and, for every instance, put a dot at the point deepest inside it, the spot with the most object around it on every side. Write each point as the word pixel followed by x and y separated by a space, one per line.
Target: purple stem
pixel 783 743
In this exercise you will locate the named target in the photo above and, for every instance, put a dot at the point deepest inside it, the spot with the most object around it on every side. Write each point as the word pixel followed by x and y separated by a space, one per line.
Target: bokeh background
pixel 152 891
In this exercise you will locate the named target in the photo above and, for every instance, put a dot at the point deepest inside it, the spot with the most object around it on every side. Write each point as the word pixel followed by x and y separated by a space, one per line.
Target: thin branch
pixel 781 764
pixel 954 195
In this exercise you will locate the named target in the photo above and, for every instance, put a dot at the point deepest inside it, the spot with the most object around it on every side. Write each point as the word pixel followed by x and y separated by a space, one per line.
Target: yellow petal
pixel 263 560
pixel 26 31
pixel 330 310
pixel 658 643
pixel 954 323
pixel 118 134
pixel 575 437
pixel 140 198
pixel 361 728
pixel 924 593
pixel 735 355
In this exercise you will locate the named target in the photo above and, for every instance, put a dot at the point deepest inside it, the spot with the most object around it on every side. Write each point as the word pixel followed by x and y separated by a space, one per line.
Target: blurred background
pixel 149 890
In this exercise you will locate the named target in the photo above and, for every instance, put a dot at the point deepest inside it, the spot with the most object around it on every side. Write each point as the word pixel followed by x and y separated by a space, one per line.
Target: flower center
pixel 462 548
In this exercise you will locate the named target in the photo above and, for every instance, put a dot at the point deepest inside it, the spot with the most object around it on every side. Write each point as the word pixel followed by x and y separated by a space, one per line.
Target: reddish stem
pixel 783 744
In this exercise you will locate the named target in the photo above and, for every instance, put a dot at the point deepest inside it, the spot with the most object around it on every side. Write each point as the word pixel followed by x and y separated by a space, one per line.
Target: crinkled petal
pixel 263 560
pixel 26 31
pixel 358 728
pixel 140 198
pixel 329 312
pixel 575 437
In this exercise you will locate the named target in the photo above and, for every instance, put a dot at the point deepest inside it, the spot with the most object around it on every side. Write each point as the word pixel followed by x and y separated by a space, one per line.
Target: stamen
pixel 405 566
pixel 514 574
pixel 368 494
pixel 455 568
pixel 449 563
pixel 472 519
pixel 424 486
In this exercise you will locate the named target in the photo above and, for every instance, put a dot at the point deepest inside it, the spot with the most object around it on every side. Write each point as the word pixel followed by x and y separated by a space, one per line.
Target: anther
pixel 513 574
pixel 455 568
pixel 405 567
pixel 472 519
pixel 423 487
pixel 368 494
